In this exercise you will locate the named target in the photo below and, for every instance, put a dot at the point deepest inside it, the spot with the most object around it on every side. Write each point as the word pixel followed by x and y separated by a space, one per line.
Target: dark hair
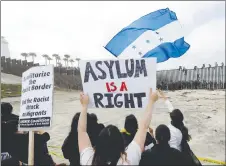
pixel 94 117
pixel 109 147
pixel 131 124
pixel 162 134
pixel 6 108
pixel 177 121
pixel 74 123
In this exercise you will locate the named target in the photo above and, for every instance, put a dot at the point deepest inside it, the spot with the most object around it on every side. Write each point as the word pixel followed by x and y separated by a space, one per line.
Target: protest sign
pixel 122 83
pixel 36 98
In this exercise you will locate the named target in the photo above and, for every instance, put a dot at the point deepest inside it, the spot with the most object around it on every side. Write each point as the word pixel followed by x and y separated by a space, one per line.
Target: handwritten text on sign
pixel 123 83
pixel 36 98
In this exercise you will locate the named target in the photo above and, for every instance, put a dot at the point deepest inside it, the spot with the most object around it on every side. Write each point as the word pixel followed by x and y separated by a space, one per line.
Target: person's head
pixel 162 134
pixel 177 121
pixel 176 116
pixel 109 146
pixel 94 117
pixel 6 109
pixel 131 124
pixel 74 123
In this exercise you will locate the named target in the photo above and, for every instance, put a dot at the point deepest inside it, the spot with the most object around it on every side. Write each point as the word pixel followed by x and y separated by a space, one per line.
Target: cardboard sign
pixel 122 83
pixel 36 98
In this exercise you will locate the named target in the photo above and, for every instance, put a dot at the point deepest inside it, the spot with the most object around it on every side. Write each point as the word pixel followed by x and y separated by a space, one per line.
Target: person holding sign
pixel 110 149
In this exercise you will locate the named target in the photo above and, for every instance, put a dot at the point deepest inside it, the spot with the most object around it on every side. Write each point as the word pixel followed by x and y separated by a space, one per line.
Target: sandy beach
pixel 204 113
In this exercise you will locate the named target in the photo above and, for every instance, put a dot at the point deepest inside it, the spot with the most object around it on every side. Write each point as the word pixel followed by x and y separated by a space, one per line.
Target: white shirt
pixel 133 155
pixel 175 137
pixel 175 133
pixel 169 105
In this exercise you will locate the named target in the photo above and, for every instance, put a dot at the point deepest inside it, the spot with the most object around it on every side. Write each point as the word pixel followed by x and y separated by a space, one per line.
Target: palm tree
pixel 58 60
pixel 66 56
pixel 25 55
pixel 46 57
pixel 78 59
pixel 65 60
pixel 33 55
pixel 72 61
pixel 59 64
pixel 55 56
pixel 49 59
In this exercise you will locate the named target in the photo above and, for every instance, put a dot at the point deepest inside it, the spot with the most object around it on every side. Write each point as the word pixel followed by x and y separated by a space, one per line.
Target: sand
pixel 204 113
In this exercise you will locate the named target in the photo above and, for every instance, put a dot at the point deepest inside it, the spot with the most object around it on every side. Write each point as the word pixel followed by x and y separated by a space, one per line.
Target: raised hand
pixel 153 97
pixel 84 99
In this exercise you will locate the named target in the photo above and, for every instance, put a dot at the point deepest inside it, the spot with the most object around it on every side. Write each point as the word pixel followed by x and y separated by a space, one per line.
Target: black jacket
pixel 9 125
pixel 70 149
pixel 163 155
pixel 19 149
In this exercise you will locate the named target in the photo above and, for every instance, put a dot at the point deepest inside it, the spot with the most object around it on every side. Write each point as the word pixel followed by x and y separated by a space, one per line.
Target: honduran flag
pixel 157 34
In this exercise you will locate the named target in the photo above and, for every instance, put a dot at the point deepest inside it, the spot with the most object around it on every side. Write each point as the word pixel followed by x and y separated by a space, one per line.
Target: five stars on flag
pixel 147 41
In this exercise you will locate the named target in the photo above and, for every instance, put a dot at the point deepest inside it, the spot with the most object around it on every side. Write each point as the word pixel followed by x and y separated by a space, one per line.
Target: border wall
pixel 69 78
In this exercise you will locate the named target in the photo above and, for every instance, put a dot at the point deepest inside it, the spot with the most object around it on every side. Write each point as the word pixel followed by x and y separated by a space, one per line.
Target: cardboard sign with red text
pixel 121 83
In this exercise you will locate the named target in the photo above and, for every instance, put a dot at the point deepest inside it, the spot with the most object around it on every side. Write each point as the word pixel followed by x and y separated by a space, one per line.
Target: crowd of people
pixel 91 143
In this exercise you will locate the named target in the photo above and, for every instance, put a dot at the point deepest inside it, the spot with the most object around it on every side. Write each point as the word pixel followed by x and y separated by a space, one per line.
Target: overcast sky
pixel 81 29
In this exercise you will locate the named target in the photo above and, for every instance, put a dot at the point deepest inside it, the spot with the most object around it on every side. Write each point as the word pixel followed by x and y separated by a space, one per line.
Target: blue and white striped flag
pixel 158 34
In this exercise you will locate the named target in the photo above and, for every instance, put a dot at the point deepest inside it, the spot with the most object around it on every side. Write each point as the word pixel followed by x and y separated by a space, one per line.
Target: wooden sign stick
pixel 31 148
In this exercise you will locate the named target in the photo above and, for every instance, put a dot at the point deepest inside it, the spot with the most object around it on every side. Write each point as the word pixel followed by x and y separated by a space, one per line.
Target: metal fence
pixel 200 78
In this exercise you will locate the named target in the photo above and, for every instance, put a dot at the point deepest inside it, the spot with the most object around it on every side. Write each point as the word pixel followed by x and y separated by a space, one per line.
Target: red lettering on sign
pixel 123 87
pixel 111 87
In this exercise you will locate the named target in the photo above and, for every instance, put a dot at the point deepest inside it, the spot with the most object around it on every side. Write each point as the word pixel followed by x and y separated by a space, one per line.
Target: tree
pixel 55 56
pixel 66 56
pixel 78 59
pixel 65 61
pixel 33 55
pixel 46 58
pixel 58 60
pixel 25 55
pixel 59 64
pixel 72 62
pixel 49 59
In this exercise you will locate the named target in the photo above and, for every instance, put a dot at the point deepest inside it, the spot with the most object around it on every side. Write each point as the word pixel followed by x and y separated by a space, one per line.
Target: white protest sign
pixel 122 83
pixel 36 98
